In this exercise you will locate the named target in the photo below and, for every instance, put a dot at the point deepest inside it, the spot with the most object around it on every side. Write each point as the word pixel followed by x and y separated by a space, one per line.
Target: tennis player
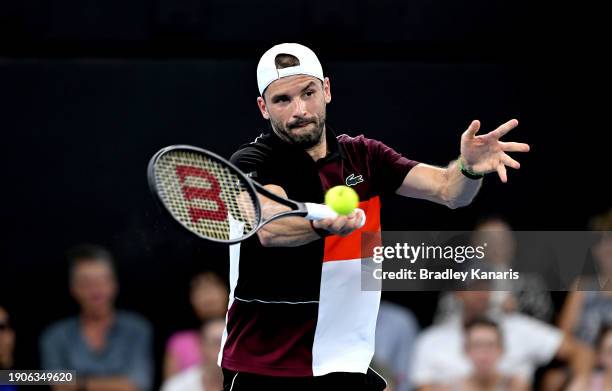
pixel 297 317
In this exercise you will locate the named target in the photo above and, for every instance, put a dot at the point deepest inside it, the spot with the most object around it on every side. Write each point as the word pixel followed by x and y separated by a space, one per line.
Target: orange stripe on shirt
pixel 338 248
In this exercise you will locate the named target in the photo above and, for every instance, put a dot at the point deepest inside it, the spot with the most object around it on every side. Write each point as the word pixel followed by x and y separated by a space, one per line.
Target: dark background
pixel 89 90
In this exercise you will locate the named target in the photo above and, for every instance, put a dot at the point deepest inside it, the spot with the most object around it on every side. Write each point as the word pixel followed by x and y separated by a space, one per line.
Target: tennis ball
pixel 342 199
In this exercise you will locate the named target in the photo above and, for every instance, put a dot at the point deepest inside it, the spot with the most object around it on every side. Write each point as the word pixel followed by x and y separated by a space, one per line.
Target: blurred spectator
pixel 589 306
pixel 108 348
pixel 208 297
pixel 484 348
pixel 7 346
pixel 601 380
pixel 396 331
pixel 207 376
pixel 527 295
pixel 528 343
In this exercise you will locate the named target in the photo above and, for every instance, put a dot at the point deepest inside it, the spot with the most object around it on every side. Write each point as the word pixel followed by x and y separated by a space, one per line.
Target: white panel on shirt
pixel 346 322
pixel 236 231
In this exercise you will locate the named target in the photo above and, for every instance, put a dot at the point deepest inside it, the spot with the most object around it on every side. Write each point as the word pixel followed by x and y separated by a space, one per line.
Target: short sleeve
pixel 140 367
pixel 422 370
pixel 390 167
pixel 251 161
pixel 535 339
pixel 51 349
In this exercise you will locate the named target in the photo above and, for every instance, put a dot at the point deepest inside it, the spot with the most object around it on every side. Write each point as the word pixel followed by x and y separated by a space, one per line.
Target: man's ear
pixel 261 103
pixel 327 90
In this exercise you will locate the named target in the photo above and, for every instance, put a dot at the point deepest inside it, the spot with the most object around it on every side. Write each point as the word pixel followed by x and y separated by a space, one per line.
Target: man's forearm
pixel 459 190
pixel 285 232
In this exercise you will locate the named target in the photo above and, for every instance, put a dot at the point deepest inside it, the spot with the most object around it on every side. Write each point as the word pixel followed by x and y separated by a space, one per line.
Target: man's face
pixel 94 286
pixel 483 347
pixel 209 299
pixel 474 303
pixel 295 106
pixel 602 251
pixel 7 335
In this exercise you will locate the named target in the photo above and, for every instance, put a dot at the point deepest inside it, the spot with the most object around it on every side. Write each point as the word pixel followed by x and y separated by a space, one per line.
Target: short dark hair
pixel 284 60
pixel 484 322
pixel 88 252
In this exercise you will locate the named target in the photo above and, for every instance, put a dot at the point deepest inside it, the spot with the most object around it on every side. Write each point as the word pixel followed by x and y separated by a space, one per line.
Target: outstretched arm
pixel 479 155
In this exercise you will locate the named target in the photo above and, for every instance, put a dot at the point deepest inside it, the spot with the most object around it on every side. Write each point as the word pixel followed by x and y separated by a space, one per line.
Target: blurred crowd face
pixel 483 347
pixel 94 286
pixel 501 244
pixel 605 352
pixel 474 303
pixel 7 340
pixel 208 297
pixel 602 251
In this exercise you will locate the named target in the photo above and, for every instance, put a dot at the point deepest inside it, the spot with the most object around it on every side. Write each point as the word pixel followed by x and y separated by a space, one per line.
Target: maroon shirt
pixel 278 299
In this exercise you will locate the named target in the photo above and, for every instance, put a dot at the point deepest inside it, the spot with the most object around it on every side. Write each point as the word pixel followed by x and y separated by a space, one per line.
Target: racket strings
pixel 206 196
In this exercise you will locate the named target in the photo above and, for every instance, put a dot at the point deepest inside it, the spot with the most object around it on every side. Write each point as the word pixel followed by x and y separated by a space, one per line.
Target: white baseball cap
pixel 267 72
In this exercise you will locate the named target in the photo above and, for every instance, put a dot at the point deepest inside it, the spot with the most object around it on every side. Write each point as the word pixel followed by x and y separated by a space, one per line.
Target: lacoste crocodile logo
pixel 353 180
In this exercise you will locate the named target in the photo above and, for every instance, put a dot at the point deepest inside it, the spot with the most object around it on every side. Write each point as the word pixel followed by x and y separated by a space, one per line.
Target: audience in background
pixel 484 348
pixel 396 331
pixel 528 343
pixel 108 348
pixel 7 346
pixel 600 380
pixel 589 305
pixel 207 376
pixel 528 295
pixel 208 296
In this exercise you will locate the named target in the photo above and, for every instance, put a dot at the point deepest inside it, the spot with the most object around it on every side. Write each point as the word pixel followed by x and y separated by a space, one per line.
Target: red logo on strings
pixel 213 194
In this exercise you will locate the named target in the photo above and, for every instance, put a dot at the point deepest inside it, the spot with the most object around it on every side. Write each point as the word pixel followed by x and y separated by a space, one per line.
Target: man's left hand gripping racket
pixel 213 199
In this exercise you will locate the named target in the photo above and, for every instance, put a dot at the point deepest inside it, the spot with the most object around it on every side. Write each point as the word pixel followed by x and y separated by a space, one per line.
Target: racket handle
pixel 320 211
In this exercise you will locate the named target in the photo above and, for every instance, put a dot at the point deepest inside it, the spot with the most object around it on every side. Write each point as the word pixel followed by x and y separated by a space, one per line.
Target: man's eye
pixel 309 92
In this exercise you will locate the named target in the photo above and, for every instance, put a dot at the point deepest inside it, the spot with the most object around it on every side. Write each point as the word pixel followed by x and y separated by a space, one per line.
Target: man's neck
pixel 319 151
pixel 102 317
pixel 6 360
pixel 485 381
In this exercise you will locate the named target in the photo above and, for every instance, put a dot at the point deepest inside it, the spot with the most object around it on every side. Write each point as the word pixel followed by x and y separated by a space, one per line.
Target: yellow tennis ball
pixel 342 199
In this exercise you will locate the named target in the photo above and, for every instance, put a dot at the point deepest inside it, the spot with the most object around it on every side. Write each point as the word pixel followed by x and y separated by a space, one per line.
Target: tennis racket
pixel 213 199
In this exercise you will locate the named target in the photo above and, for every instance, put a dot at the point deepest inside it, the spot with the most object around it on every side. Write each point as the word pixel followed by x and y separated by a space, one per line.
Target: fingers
pixel 514 147
pixel 341 225
pixel 323 223
pixel 508 161
pixel 504 128
pixel 473 129
pixel 501 171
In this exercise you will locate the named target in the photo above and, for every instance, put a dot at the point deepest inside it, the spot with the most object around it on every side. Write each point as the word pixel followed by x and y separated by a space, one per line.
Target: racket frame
pixel 254 189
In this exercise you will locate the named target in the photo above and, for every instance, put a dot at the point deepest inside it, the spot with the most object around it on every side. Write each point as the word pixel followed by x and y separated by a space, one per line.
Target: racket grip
pixel 320 211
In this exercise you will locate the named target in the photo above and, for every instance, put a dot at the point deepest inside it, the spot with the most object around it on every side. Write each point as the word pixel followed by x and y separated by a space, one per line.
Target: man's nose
pixel 299 108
